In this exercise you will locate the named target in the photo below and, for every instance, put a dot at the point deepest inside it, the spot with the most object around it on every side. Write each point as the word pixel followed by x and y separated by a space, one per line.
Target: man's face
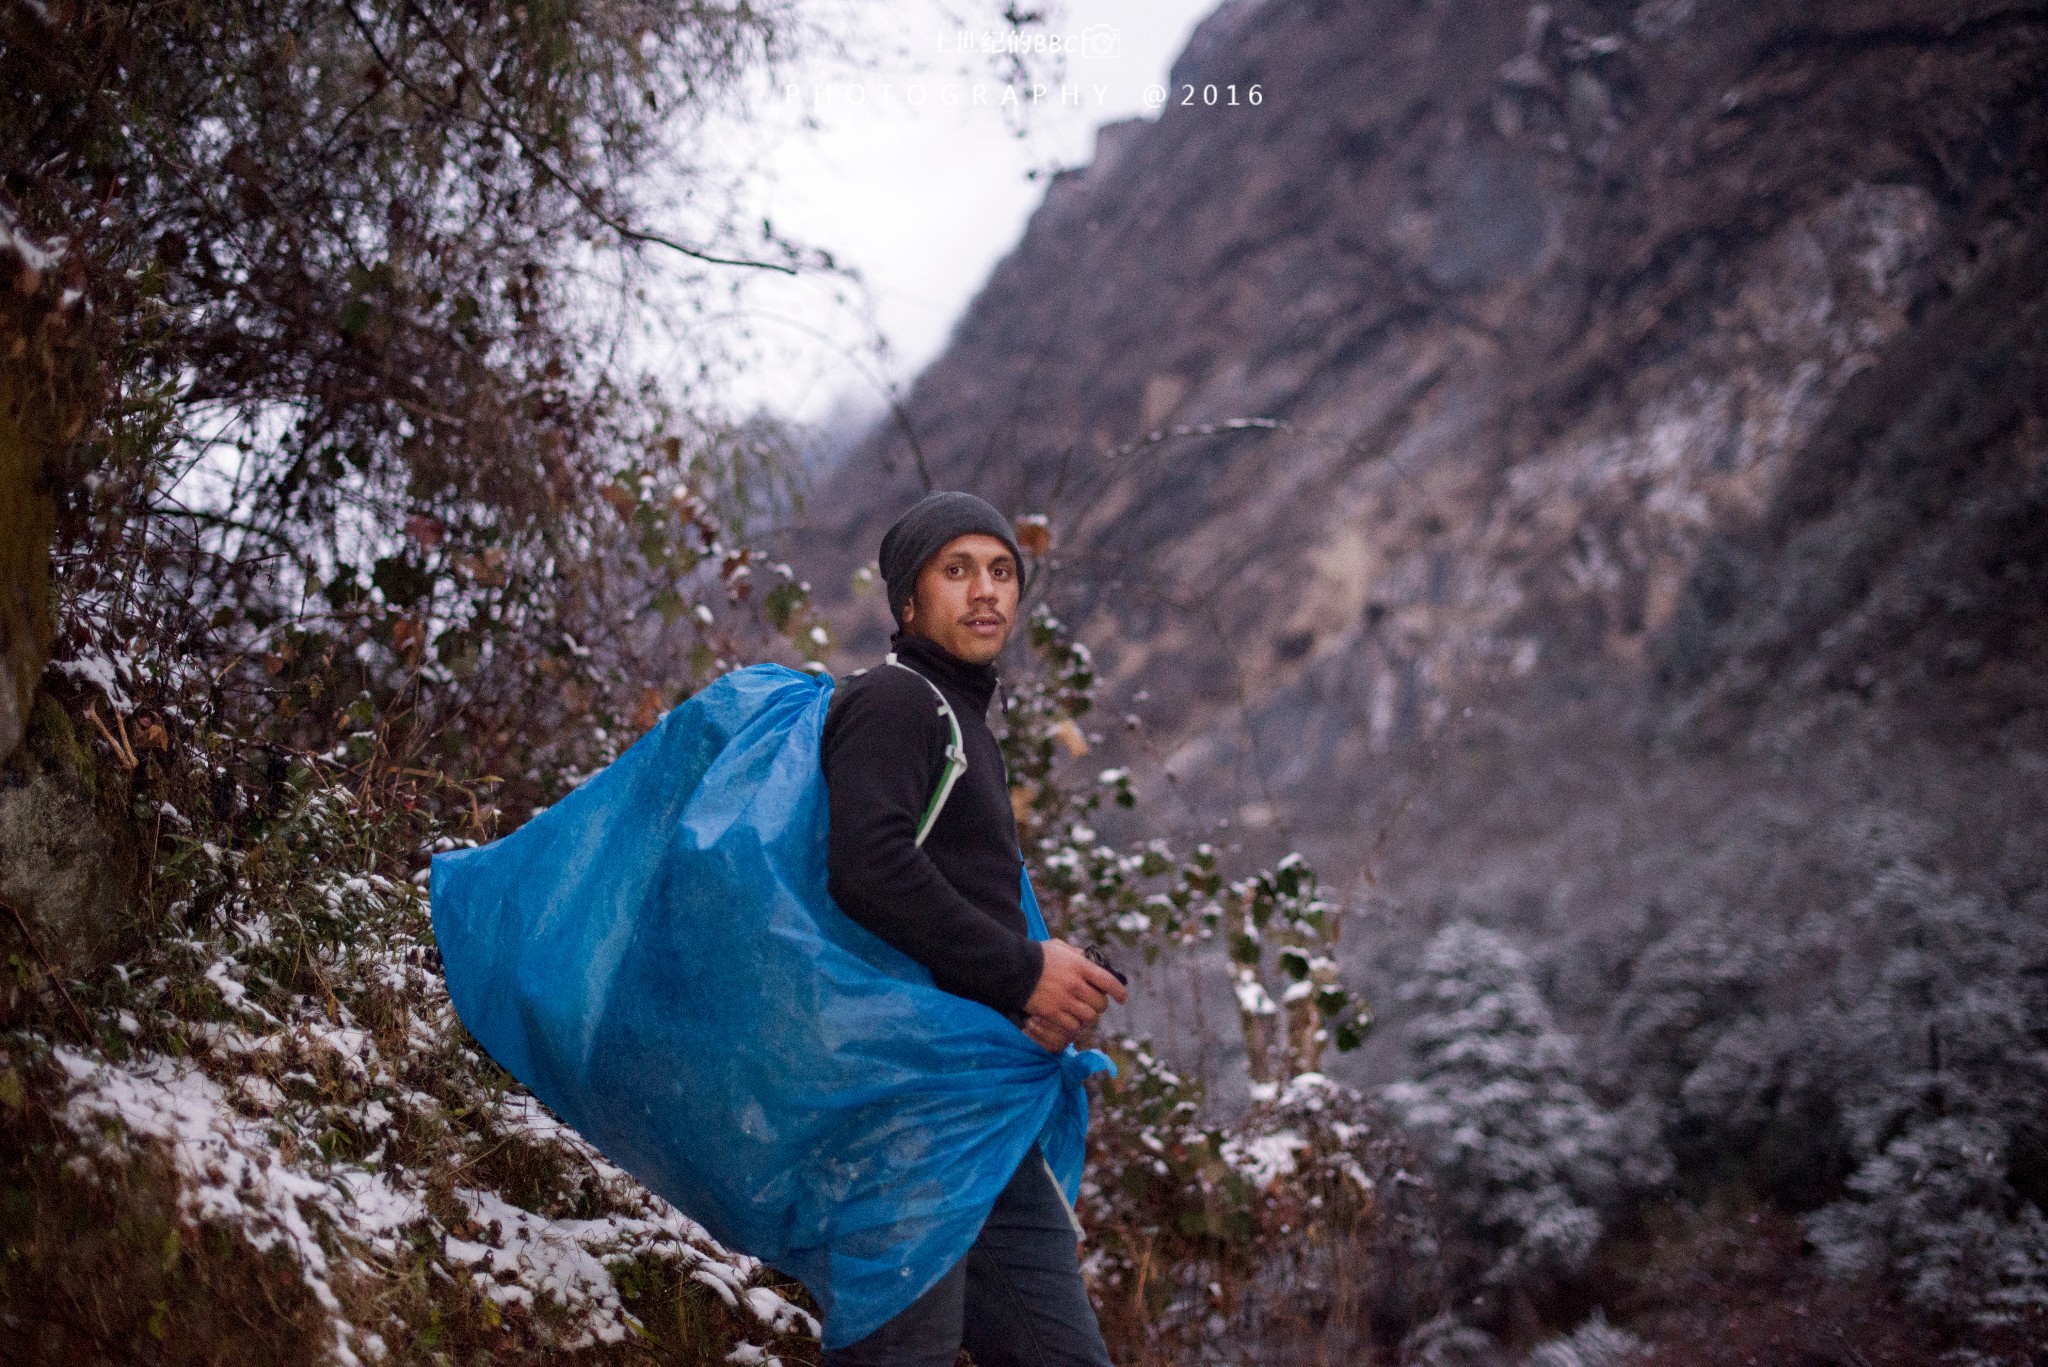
pixel 965 598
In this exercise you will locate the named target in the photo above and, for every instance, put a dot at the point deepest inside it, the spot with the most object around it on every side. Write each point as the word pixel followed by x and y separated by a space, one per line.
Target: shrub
pixel 1526 1158
pixel 1937 1026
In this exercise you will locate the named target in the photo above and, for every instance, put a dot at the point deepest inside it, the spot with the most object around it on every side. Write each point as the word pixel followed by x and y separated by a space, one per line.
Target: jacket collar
pixel 976 683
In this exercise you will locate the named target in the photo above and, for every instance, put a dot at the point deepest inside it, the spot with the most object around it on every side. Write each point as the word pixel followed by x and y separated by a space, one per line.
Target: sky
pixel 903 157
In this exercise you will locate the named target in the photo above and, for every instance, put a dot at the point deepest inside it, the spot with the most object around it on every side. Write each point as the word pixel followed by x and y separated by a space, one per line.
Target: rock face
pixel 63 871
pixel 70 873
pixel 1663 458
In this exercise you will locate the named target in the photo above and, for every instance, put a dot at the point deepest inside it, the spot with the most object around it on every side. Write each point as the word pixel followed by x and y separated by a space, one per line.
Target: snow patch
pixel 230 1172
pixel 103 672
pixel 1264 1158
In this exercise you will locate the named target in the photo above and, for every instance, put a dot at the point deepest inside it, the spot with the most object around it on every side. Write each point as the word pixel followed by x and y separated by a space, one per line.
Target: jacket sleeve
pixel 883 752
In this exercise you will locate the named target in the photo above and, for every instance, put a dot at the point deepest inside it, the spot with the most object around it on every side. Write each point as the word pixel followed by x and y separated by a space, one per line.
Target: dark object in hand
pixel 1101 960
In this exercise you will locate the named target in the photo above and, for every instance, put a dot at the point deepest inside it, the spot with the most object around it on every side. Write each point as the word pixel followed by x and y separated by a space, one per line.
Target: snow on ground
pixel 232 1172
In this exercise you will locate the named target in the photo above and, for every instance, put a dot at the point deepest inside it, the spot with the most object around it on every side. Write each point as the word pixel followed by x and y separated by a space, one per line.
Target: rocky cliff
pixel 1655 465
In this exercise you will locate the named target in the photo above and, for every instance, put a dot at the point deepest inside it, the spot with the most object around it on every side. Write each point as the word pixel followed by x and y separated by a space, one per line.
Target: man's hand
pixel 1071 995
pixel 1046 1035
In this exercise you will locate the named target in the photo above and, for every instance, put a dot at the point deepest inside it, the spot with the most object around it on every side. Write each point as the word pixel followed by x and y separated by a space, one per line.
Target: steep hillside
pixel 1651 380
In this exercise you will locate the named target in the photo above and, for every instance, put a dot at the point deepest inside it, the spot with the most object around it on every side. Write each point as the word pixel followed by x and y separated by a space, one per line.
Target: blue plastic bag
pixel 656 957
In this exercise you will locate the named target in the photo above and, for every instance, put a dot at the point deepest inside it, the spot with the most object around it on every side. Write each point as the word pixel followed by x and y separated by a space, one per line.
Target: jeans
pixel 1015 1300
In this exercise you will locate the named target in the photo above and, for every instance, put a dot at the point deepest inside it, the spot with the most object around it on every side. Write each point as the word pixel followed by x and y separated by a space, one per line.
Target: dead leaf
pixel 487 569
pixel 652 705
pixel 428 531
pixel 1034 534
pixel 1070 738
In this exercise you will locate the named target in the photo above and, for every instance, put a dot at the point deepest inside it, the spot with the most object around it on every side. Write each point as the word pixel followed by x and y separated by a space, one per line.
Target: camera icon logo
pixel 1100 40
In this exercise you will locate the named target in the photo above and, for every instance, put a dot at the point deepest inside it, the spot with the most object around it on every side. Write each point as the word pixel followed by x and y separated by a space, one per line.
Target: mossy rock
pixel 68 863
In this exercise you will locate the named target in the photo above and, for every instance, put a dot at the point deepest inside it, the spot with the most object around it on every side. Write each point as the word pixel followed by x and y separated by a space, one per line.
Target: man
pixel 954 903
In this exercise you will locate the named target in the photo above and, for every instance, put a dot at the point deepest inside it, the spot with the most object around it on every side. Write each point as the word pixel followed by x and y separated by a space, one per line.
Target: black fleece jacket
pixel 955 904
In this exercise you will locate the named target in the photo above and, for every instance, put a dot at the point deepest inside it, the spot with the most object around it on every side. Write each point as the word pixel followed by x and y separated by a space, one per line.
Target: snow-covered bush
pixel 1304 1231
pixel 1691 1028
pixel 1527 1160
pixel 1303 1223
pixel 1938 1030
pixel 1280 929
pixel 1866 1045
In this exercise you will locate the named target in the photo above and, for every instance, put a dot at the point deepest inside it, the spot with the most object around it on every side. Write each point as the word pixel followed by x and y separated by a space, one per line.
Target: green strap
pixel 956 753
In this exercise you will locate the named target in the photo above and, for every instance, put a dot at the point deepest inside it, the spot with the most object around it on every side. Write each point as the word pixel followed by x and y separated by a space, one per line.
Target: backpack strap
pixel 956 753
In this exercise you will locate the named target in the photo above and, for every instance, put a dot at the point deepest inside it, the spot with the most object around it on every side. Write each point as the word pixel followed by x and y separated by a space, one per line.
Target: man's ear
pixel 910 610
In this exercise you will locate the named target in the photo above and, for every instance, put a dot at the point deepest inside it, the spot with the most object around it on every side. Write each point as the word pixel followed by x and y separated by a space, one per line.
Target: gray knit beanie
pixel 923 532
